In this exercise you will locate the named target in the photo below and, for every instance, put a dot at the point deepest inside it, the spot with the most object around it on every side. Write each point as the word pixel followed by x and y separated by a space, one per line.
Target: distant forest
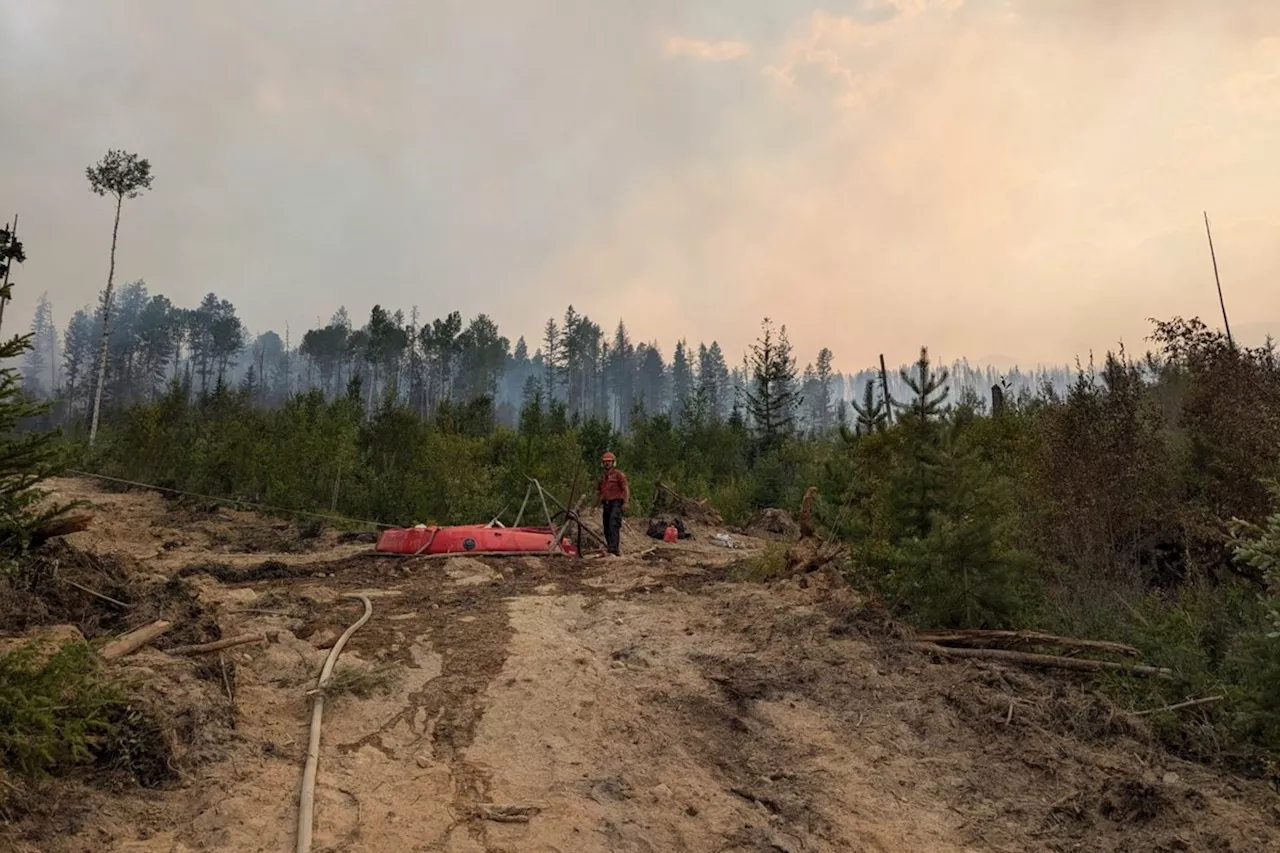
pixel 422 362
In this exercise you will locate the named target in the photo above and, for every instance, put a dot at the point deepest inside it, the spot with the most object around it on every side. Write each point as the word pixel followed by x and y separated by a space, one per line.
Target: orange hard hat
pixel 608 457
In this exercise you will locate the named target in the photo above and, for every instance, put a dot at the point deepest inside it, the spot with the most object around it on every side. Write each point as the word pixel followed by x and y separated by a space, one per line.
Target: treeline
pixel 1108 510
pixel 424 362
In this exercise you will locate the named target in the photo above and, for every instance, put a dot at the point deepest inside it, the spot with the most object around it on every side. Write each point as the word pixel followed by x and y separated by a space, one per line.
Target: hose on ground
pixel 306 806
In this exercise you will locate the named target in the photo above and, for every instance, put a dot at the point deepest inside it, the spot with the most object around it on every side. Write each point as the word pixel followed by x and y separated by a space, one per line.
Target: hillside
pixel 647 703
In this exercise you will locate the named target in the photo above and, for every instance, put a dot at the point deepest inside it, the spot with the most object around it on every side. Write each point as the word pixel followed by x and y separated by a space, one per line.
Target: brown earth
pixel 644 703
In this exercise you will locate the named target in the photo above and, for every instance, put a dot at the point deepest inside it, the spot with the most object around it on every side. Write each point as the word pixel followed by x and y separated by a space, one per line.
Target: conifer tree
pixel 772 400
pixel 29 457
pixel 551 357
pixel 962 571
pixel 871 413
pixel 919 478
pixel 681 381
pixel 822 378
pixel 10 254
pixel 40 357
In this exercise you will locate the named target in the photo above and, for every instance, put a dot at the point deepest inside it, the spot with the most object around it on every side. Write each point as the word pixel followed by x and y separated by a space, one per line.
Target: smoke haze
pixel 1022 177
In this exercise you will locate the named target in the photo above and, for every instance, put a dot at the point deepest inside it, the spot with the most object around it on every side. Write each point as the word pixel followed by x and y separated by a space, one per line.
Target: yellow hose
pixel 306 807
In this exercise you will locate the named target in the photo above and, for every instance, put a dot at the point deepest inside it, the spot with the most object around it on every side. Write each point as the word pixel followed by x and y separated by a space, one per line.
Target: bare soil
pixel 643 703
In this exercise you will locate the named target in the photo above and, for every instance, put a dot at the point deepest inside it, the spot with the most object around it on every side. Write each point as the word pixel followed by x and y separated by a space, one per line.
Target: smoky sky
pixel 1022 178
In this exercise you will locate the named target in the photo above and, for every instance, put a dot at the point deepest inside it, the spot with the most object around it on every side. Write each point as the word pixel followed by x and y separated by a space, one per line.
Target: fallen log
pixel 983 638
pixel 134 640
pixel 63 525
pixel 1032 659
pixel 217 645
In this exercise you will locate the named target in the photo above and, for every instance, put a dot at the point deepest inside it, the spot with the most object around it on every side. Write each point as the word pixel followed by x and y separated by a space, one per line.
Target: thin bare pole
pixel 884 387
pixel 1218 281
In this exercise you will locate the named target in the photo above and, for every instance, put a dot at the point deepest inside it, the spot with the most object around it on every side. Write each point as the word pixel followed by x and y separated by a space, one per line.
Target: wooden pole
pixel 574 515
pixel 542 496
pixel 520 515
pixel 884 387
pixel 1218 281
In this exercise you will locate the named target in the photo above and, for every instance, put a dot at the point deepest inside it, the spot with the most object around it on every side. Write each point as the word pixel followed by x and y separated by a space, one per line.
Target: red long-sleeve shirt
pixel 612 486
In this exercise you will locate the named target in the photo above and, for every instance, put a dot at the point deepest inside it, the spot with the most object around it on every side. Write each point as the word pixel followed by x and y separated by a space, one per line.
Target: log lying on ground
pixel 217 645
pixel 63 525
pixel 990 638
pixel 1051 661
pixel 134 640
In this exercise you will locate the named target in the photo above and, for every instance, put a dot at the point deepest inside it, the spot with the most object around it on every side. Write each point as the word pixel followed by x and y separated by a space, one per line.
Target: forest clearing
pixel 644 703
pixel 295 547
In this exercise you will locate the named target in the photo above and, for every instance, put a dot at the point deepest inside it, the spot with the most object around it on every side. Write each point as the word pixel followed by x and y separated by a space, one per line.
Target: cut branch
pixel 986 638
pixel 217 645
pixel 1192 703
pixel 134 640
pixel 1051 661
pixel 96 594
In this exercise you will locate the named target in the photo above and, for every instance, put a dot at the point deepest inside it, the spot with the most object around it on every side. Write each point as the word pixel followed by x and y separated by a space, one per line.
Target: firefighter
pixel 613 492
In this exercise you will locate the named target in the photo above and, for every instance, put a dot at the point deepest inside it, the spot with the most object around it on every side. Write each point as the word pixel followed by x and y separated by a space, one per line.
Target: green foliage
pixel 56 710
pixel 27 456
pixel 10 253
pixel 773 399
pixel 769 563
pixel 963 570
pixel 1101 512
pixel 120 174
pixel 1258 546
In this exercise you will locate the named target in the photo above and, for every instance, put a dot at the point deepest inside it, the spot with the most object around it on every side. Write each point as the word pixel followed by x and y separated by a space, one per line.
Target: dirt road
pixel 633 704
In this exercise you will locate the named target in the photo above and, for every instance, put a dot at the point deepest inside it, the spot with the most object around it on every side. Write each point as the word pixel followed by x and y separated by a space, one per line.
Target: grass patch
pixel 362 681
pixel 769 563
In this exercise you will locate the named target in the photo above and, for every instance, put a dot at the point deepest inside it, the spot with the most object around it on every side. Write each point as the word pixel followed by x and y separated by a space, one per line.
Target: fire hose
pixel 306 806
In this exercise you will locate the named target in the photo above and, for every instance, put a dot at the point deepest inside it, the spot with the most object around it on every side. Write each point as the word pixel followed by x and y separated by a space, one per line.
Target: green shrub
pixel 56 710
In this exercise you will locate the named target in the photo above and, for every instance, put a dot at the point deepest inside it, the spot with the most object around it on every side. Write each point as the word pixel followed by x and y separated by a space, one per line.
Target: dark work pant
pixel 613 526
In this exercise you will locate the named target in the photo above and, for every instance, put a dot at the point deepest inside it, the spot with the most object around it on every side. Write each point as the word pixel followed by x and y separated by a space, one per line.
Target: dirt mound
pixel 772 523
pixel 667 500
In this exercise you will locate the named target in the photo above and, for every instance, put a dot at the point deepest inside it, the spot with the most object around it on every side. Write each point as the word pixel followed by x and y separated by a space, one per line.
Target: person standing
pixel 613 492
